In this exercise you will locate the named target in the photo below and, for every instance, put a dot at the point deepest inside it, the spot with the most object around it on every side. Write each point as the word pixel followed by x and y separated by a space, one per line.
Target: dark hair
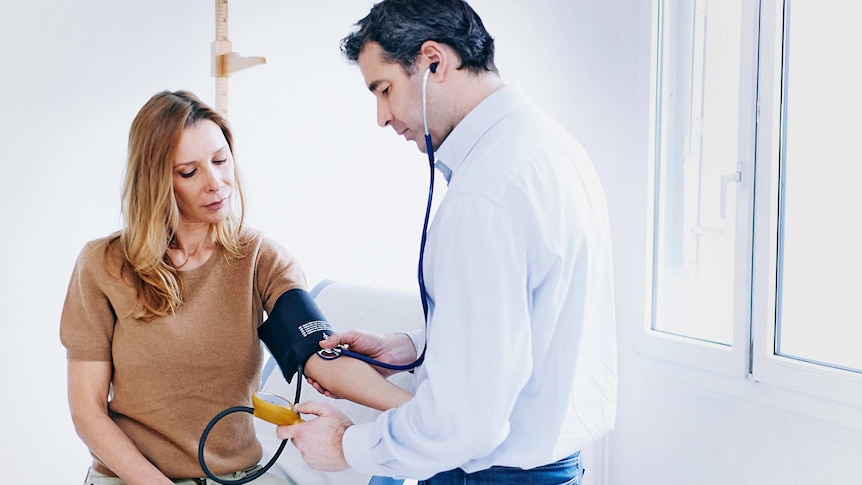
pixel 402 26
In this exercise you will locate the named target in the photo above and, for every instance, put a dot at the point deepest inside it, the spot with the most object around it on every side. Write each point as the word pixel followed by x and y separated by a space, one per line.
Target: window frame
pixel 749 368
pixel 797 375
pixel 730 360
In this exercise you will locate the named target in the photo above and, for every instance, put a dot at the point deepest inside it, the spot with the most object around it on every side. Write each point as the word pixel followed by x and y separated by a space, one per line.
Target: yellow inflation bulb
pixel 274 409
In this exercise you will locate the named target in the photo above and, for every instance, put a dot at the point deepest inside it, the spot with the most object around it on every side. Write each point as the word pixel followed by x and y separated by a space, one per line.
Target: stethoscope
pixel 330 354
pixel 279 411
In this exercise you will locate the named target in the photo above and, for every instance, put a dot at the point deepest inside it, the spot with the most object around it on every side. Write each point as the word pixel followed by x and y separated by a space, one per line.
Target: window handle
pixel 725 181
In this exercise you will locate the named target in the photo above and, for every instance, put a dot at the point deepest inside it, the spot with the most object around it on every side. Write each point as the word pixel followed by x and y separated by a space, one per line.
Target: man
pixel 520 368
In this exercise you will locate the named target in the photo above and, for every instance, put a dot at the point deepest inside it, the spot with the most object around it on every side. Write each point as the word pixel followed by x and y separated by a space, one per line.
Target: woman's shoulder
pixel 260 241
pixel 252 240
pixel 107 246
pixel 266 249
pixel 100 259
pixel 276 269
pixel 249 233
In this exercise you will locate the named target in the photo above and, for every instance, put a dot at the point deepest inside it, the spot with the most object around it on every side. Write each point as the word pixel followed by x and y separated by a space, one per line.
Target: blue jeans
pixel 567 471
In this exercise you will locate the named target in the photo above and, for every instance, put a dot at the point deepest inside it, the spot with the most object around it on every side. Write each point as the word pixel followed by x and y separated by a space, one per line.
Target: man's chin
pixel 420 144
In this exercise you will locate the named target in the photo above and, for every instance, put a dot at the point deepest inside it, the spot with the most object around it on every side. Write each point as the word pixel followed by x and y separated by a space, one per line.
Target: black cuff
pixel 293 330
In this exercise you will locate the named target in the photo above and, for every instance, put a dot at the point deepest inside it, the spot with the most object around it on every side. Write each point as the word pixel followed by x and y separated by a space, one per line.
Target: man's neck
pixel 473 90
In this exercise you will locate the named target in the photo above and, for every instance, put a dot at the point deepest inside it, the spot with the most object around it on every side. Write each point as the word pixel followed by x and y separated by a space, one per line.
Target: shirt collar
pixel 460 142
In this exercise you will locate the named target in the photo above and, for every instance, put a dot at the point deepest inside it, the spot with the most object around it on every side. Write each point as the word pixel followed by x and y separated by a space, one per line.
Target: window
pixel 697 153
pixel 756 265
pixel 817 201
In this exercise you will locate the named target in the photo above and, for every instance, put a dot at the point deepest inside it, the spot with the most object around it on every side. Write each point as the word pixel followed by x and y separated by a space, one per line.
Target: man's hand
pixel 319 439
pixel 395 348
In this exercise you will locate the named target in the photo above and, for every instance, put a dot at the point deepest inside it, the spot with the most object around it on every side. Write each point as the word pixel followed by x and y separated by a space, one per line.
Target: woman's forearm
pixel 114 448
pixel 89 384
pixel 356 381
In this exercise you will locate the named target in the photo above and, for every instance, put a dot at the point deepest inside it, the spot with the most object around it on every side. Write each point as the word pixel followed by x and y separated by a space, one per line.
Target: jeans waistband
pixel 561 471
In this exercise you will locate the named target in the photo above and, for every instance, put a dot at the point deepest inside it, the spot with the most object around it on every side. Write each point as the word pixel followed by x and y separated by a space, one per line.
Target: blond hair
pixel 150 208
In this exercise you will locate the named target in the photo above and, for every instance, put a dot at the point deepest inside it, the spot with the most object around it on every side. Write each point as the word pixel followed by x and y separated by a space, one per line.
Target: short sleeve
pixel 87 321
pixel 277 272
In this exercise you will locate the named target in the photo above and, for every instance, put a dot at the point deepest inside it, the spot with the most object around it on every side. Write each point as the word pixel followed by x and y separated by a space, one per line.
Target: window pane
pixel 696 161
pixel 820 258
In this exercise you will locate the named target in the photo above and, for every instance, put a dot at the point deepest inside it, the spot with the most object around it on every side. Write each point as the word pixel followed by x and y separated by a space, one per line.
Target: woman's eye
pixel 219 162
pixel 385 92
pixel 186 175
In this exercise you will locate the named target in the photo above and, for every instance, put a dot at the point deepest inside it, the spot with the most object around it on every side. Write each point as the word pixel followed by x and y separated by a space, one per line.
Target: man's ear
pixel 434 55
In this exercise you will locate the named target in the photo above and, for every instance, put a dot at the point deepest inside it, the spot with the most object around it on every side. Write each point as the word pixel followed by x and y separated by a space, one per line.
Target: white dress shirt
pixel 520 368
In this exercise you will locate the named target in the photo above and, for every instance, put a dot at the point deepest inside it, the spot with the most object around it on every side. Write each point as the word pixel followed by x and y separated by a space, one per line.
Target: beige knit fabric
pixel 173 374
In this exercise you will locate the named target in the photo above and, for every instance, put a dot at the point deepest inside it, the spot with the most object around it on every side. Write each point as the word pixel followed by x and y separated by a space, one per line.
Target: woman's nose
pixel 214 180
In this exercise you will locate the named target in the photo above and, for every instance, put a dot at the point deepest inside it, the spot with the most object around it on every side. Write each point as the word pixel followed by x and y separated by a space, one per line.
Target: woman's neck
pixel 192 246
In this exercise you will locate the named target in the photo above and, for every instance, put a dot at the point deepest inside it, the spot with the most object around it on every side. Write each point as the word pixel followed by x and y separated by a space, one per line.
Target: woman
pixel 160 319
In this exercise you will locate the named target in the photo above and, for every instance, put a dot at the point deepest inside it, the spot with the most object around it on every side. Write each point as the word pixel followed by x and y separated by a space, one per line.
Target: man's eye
pixel 385 91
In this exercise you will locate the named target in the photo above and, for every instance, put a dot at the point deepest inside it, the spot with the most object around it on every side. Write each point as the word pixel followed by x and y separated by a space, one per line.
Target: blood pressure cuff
pixel 293 329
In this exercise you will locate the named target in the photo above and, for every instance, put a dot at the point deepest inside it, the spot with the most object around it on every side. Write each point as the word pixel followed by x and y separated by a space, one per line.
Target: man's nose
pixel 384 116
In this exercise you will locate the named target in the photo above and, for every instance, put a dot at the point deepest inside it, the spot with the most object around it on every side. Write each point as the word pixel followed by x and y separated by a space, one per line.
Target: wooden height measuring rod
pixel 225 61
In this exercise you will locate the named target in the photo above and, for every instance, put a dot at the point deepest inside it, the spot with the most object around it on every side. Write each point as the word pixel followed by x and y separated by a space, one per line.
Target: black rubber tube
pixel 212 423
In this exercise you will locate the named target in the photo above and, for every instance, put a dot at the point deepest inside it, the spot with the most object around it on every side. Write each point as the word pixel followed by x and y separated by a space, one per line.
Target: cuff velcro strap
pixel 293 330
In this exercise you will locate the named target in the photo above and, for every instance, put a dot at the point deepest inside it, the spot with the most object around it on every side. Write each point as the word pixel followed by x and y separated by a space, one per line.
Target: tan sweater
pixel 173 374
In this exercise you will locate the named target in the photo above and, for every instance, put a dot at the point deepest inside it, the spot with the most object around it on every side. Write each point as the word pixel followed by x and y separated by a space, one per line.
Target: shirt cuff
pixel 356 448
pixel 417 336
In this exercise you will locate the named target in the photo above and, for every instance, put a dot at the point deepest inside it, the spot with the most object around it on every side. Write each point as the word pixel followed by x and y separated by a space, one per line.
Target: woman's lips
pixel 216 205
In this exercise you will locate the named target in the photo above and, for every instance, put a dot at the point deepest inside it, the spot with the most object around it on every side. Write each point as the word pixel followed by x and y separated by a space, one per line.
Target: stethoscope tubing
pixel 328 354
pixel 429 149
